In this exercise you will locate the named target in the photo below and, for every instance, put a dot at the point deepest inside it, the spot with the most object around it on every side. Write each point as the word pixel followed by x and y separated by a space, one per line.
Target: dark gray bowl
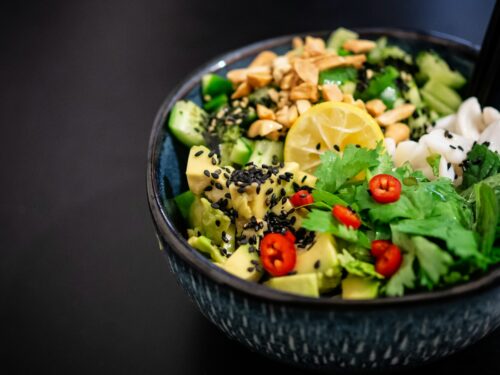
pixel 328 334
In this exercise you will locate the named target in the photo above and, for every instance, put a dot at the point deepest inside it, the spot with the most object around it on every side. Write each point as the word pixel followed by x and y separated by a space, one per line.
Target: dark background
pixel 83 286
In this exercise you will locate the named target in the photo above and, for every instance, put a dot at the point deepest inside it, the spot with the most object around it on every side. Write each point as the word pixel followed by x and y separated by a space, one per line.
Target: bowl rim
pixel 178 244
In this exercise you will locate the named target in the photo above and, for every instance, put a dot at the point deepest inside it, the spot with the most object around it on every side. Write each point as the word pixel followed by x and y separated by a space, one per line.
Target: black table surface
pixel 83 286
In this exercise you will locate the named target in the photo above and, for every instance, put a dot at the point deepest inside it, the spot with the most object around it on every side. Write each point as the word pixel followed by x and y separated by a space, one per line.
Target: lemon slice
pixel 329 126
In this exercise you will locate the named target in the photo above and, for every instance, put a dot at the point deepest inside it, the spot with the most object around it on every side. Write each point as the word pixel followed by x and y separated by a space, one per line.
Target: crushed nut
pixel 359 45
pixel 306 70
pixel 273 95
pixel 263 128
pixel 375 107
pixel 281 66
pixel 287 115
pixel 305 90
pixel 314 46
pixel 360 104
pixel 399 132
pixel 396 115
pixel 265 113
pixel 257 80
pixel 236 76
pixel 297 43
pixel 242 90
pixel 286 81
pixel 331 93
pixel 302 105
pixel 348 98
pixel 265 58
pixel 334 61
pixel 370 73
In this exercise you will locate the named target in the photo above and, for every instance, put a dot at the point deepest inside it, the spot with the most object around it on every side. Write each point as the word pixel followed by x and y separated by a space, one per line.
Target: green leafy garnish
pixel 487 212
pixel 433 161
pixel 357 267
pixel 481 163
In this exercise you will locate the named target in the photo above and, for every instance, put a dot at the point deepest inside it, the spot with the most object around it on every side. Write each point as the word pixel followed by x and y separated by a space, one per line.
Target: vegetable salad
pixel 344 168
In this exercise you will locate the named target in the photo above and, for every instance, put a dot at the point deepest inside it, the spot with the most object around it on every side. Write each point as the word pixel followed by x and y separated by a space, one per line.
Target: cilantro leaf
pixel 327 198
pixel 487 212
pixel 481 163
pixel 405 276
pixel 357 267
pixel 433 161
pixel 335 169
pixel 323 222
pixel 434 262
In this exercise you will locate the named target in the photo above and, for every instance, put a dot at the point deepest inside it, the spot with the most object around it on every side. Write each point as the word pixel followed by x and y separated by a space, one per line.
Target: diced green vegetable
pixel 383 86
pixel 266 152
pixel 216 103
pixel 338 76
pixel 382 51
pixel 440 97
pixel 261 96
pixel 183 202
pixel 188 122
pixel 241 152
pixel 432 66
pixel 339 37
pixel 213 85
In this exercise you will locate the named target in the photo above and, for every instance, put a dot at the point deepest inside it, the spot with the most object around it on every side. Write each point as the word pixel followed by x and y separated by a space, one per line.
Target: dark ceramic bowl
pixel 329 334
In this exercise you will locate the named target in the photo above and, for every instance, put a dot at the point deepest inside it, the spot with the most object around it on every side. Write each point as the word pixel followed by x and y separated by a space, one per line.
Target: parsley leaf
pixel 335 169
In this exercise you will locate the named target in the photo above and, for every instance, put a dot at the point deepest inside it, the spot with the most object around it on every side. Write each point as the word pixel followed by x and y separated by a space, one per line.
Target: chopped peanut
pixel 287 115
pixel 359 45
pixel 348 98
pixel 265 58
pixel 237 76
pixel 297 43
pixel 398 131
pixel 334 61
pixel 257 80
pixel 263 128
pixel 396 115
pixel 375 107
pixel 360 104
pixel 331 93
pixel 281 66
pixel 242 90
pixel 305 90
pixel 273 95
pixel 286 81
pixel 314 46
pixel 302 105
pixel 265 113
pixel 306 70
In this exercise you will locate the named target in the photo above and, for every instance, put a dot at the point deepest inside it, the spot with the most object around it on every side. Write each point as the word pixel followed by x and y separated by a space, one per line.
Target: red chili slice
pixel 290 236
pixel 389 262
pixel 301 198
pixel 278 254
pixel 385 188
pixel 379 247
pixel 346 216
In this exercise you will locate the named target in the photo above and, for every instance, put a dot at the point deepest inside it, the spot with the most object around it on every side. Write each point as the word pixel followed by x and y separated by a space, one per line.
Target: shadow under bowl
pixel 327 333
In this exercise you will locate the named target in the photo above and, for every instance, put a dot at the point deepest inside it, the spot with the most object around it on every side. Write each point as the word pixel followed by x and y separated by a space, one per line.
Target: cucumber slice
pixel 225 150
pixel 267 152
pixel 440 97
pixel 187 122
pixel 339 37
pixel 241 152
pixel 213 85
pixel 432 66
pixel 216 103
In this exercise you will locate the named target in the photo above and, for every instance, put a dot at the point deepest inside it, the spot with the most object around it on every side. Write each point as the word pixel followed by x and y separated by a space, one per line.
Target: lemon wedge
pixel 329 126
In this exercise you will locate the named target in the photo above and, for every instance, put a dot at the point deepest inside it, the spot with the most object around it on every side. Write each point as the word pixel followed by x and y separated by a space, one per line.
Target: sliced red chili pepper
pixel 346 216
pixel 301 198
pixel 290 236
pixel 379 247
pixel 385 188
pixel 278 254
pixel 389 262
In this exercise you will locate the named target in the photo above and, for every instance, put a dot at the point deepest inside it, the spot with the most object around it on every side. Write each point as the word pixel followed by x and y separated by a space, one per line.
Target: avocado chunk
pixel 305 179
pixel 322 259
pixel 212 223
pixel 198 166
pixel 244 264
pixel 356 287
pixel 204 245
pixel 304 284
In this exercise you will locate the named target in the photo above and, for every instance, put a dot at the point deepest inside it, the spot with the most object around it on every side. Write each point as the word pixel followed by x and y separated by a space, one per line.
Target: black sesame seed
pixel 217 222
pixel 224 237
pixel 214 161
pixel 317 264
pixel 258 189
pixel 460 148
pixel 486 143
pixel 453 147
pixel 206 173
pixel 282 192
pixel 357 146
pixel 283 200
pixel 198 153
pixel 215 175
pixel 208 188
pixel 252 249
pixel 211 153
pixel 241 190
pixel 227 195
pixel 218 185
pixel 269 191
pixel 250 269
pixel 215 205
pixel 448 166
pixel 318 146
pixel 304 179
pixel 336 148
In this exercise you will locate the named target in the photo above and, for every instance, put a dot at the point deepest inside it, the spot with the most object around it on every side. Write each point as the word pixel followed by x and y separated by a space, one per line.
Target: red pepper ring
pixel 389 262
pixel 385 188
pixel 301 198
pixel 278 254
pixel 379 247
pixel 346 216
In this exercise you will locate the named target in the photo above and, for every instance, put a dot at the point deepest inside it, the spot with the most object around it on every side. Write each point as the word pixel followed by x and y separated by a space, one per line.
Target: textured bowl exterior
pixel 325 334
pixel 345 339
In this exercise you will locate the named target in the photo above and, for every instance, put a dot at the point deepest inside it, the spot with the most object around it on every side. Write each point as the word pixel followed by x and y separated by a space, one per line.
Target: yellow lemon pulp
pixel 327 126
